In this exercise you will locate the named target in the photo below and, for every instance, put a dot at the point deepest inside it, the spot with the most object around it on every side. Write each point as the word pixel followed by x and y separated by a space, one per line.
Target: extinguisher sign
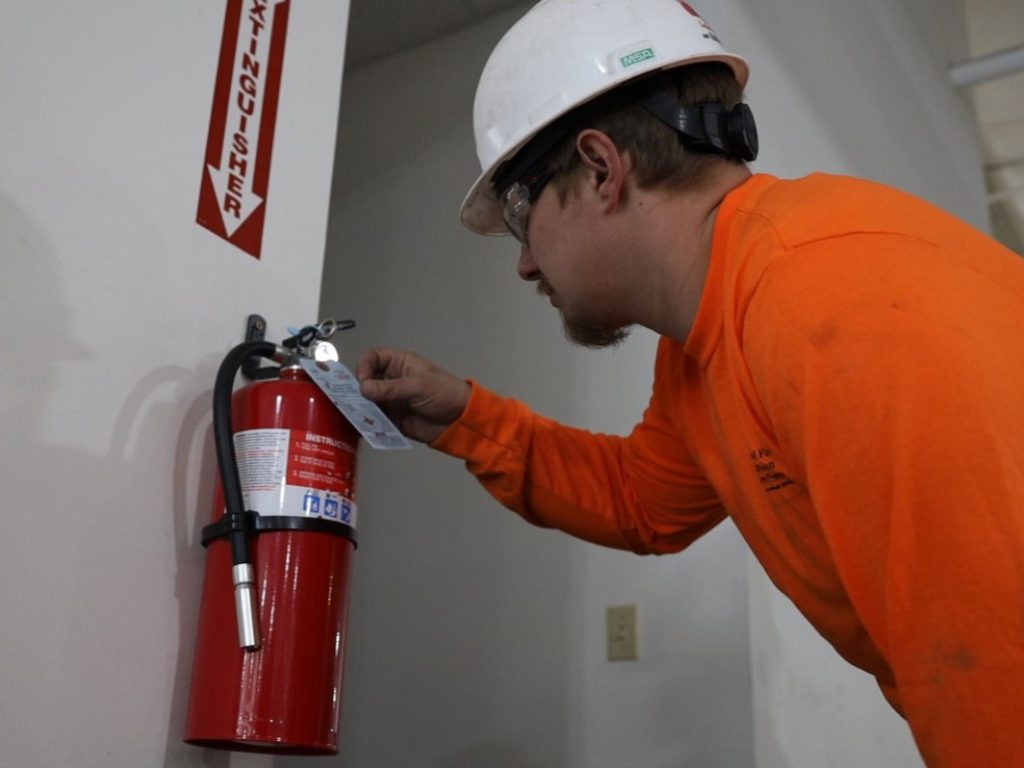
pixel 236 169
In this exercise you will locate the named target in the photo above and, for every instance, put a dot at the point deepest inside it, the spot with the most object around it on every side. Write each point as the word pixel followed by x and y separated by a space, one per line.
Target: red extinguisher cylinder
pixel 294 448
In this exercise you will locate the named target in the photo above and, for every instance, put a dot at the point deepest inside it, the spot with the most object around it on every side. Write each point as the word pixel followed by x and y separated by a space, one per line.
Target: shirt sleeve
pixel 640 492
pixel 899 394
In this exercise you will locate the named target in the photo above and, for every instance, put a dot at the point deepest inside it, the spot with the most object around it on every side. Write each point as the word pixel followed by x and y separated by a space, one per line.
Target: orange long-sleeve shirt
pixel 852 395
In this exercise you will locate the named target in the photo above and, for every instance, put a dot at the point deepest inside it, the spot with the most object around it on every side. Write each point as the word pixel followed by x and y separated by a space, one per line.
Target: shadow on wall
pixel 35 320
pixel 190 506
pixel 190 511
pixel 76 585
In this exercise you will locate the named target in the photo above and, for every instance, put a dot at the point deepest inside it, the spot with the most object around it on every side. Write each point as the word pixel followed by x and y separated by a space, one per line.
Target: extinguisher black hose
pixel 223 438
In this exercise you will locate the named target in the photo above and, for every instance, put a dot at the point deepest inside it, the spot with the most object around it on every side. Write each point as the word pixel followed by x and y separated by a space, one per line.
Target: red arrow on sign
pixel 236 172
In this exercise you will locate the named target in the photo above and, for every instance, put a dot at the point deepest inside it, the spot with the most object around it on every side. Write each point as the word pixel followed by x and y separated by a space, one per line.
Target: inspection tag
pixel 338 383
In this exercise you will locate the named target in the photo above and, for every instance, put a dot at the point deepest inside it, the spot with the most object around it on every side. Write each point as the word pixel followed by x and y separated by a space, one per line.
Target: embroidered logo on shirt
pixel 767 472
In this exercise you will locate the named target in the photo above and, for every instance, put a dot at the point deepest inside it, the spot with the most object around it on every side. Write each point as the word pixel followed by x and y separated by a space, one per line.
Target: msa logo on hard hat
pixel 636 57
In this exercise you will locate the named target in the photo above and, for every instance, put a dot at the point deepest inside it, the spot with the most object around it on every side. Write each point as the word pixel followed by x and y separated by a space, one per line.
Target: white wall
pixel 117 308
pixel 477 640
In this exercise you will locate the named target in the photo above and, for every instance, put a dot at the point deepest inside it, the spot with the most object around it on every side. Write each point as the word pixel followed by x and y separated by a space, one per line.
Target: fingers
pixel 387 375
pixel 425 397
pixel 390 390
pixel 378 362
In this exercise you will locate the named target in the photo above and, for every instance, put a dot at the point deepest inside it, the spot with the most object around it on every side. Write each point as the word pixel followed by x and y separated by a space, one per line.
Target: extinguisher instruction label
pixel 297 473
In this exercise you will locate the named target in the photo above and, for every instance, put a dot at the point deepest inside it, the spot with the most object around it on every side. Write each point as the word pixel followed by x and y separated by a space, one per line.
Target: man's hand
pixel 420 397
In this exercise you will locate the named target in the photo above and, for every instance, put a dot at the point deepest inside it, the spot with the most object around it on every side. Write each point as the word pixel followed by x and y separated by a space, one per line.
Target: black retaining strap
pixel 253 523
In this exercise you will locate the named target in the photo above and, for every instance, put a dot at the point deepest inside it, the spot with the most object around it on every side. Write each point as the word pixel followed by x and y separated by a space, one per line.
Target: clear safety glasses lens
pixel 516 210
pixel 517 200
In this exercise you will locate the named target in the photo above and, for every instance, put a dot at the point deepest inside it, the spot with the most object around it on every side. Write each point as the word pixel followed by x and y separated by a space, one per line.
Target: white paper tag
pixel 338 383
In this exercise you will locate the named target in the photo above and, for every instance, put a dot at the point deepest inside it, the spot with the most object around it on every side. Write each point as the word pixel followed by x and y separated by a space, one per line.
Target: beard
pixel 593 335
pixel 584 332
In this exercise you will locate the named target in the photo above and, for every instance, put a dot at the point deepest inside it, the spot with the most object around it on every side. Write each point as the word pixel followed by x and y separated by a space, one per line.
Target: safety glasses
pixel 517 201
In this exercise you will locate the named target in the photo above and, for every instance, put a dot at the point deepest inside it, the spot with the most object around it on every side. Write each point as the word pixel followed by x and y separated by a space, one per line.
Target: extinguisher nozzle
pixel 245 606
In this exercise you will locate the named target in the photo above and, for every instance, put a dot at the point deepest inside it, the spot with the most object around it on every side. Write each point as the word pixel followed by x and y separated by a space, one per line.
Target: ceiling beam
pixel 988 67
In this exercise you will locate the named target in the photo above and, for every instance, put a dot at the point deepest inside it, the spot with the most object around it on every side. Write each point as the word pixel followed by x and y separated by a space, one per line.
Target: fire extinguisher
pixel 269 653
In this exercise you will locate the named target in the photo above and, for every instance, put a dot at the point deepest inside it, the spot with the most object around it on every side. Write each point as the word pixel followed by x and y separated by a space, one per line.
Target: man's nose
pixel 527 267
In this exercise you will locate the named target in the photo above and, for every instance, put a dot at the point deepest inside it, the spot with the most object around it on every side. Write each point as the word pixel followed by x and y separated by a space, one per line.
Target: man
pixel 840 366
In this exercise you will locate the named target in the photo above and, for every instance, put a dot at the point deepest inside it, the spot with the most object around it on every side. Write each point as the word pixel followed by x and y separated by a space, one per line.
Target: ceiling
pixel 379 28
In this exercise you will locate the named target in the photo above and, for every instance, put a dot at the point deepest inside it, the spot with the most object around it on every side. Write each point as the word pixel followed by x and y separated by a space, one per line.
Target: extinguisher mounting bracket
pixel 251 523
pixel 230 522
pixel 256 330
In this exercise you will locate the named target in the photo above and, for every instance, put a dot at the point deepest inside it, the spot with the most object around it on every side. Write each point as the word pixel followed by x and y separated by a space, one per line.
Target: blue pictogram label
pixel 311 503
pixel 331 508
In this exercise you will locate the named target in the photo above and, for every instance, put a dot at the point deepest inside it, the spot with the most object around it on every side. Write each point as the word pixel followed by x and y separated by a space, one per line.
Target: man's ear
pixel 606 166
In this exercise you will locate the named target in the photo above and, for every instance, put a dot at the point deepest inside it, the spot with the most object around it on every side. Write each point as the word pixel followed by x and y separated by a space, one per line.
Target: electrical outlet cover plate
pixel 622 645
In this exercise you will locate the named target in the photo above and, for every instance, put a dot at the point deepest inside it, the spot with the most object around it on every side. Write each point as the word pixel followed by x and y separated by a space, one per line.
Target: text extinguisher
pixel 269 654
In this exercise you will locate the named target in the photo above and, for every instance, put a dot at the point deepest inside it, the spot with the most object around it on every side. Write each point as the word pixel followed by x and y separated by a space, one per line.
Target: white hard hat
pixel 562 54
